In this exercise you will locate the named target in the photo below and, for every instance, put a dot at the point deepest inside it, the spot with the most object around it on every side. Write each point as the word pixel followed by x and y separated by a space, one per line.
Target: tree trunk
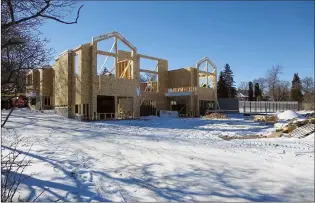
pixel 11 110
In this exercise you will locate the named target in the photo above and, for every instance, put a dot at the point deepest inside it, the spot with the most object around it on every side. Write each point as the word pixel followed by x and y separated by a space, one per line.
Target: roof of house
pixel 242 93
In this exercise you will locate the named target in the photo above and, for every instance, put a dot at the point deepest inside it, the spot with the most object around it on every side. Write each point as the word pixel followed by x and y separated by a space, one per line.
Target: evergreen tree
pixel 250 92
pixel 228 77
pixel 104 71
pixel 258 93
pixel 222 89
pixel 296 92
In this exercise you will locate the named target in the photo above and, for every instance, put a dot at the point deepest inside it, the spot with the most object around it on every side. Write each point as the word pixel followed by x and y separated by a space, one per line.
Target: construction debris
pixel 310 115
pixel 266 119
pixel 303 131
pixel 215 116
pixel 296 127
pixel 289 128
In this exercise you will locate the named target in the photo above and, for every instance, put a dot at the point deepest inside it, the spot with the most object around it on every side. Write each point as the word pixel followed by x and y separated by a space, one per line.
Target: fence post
pixel 266 107
pixel 244 106
pixel 250 106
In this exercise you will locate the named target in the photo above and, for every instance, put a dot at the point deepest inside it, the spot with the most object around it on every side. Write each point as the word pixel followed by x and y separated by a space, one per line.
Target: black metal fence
pixel 267 106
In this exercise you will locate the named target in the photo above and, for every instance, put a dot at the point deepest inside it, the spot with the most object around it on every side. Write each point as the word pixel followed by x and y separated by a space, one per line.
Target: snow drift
pixel 287 115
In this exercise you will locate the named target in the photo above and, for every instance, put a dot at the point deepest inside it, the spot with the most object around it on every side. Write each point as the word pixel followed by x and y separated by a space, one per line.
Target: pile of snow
pixel 287 115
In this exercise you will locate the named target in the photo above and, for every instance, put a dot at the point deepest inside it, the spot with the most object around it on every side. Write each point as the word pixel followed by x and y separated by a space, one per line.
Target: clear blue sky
pixel 250 36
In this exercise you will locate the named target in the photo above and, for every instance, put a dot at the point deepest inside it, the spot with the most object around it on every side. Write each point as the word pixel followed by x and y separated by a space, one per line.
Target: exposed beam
pixel 148 57
pixel 204 76
pixel 77 48
pixel 116 52
pixel 206 59
pixel 148 71
pixel 205 73
pixel 117 35
pixel 125 70
pixel 106 53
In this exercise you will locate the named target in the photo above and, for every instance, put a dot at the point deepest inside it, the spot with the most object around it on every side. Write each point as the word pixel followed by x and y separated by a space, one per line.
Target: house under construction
pixel 80 84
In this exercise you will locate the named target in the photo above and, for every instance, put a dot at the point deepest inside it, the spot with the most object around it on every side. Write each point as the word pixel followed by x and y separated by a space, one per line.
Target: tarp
pixel 175 94
pixel 168 114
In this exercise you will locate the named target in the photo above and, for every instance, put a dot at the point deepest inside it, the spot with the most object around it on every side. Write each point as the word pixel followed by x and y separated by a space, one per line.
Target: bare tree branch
pixel 61 21
pixel 243 86
pixel 13 22
pixel 10 43
pixel 9 3
pixel 39 14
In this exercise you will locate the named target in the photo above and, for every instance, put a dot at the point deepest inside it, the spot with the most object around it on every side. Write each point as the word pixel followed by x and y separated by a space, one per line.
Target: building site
pixel 79 84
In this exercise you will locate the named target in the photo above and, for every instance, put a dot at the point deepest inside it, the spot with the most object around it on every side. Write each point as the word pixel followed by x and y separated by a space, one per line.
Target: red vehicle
pixel 21 101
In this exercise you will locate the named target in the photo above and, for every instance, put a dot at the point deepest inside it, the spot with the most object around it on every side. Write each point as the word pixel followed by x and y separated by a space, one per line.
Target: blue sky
pixel 250 36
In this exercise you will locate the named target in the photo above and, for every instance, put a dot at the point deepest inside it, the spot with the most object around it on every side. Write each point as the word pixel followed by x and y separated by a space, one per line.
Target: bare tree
pixel 262 84
pixel 243 86
pixel 282 91
pixel 22 48
pixel 273 79
pixel 18 59
pixel 308 90
pixel 145 77
pixel 13 164
pixel 307 84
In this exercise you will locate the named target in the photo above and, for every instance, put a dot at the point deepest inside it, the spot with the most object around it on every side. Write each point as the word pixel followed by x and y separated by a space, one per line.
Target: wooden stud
pixel 148 71
pixel 148 57
pixel 207 74
pixel 125 70
pixel 106 53
pixel 116 53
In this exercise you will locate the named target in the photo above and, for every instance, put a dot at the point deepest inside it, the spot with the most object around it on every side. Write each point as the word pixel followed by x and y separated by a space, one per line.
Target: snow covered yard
pixel 160 160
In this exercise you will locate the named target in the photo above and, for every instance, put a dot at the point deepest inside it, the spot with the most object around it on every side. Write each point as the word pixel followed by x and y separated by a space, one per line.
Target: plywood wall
pixel 63 82
pixel 206 94
pixel 121 72
pixel 184 77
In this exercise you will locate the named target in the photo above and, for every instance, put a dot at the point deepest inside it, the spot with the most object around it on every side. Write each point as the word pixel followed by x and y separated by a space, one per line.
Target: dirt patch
pixel 243 138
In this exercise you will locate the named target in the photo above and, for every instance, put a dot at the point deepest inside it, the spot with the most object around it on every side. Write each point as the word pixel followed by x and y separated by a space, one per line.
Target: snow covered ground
pixel 160 160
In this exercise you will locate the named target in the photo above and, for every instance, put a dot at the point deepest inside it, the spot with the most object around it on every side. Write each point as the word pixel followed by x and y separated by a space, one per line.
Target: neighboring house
pixel 242 95
pixel 80 87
